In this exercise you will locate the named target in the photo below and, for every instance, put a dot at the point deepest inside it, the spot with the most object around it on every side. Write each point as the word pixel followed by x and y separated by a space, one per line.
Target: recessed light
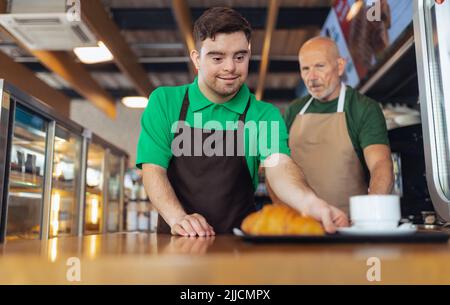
pixel 135 101
pixel 93 55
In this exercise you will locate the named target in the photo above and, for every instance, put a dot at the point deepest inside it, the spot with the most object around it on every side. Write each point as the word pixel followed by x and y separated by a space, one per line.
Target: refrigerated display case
pixel 65 182
pixel 27 173
pixel 40 168
pixel 115 191
pixel 104 187
pixel 94 189
pixel 56 177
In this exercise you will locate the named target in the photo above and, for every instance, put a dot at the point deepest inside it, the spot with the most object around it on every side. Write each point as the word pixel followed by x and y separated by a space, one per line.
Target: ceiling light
pixel 135 101
pixel 354 10
pixel 93 55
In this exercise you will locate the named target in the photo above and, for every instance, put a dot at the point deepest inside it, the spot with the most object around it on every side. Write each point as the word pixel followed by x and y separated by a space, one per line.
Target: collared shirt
pixel 160 118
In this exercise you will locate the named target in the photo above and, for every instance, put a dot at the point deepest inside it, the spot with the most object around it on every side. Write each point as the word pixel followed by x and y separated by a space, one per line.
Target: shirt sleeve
pixel 373 127
pixel 272 134
pixel 154 145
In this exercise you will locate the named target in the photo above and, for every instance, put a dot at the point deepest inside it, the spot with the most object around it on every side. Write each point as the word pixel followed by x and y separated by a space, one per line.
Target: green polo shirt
pixel 366 124
pixel 163 110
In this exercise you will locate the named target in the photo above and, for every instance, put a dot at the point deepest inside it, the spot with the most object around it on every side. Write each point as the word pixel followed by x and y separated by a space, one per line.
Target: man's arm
pixel 379 161
pixel 288 183
pixel 163 197
pixel 271 193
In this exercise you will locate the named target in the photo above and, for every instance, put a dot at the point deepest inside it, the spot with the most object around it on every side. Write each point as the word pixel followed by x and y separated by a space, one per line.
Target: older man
pixel 336 135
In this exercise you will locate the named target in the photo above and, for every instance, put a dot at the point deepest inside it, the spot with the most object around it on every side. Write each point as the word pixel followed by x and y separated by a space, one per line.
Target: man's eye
pixel 217 58
pixel 240 58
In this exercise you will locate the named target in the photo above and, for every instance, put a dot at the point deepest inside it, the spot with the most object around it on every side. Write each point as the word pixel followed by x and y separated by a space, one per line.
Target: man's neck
pixel 213 97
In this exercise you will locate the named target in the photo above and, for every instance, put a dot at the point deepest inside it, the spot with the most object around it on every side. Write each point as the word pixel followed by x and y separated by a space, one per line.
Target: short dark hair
pixel 220 20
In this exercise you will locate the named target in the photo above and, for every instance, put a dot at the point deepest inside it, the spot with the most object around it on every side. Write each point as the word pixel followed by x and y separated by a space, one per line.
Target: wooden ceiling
pixel 150 48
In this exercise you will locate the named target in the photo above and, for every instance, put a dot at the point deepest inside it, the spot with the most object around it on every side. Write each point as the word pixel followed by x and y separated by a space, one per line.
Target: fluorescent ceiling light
pixel 135 101
pixel 93 55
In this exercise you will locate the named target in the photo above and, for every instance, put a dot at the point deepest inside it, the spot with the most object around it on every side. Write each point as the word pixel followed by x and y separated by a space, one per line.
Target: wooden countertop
pixel 138 258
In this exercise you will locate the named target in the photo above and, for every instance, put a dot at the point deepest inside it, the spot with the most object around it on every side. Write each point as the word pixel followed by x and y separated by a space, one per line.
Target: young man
pixel 199 173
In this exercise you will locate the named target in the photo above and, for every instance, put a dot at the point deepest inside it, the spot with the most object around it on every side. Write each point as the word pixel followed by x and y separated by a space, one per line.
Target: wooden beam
pixel 64 64
pixel 270 27
pixel 25 79
pixel 183 17
pixel 95 15
pixel 3 6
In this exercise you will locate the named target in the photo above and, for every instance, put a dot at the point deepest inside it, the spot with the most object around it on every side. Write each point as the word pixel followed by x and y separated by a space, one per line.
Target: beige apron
pixel 321 146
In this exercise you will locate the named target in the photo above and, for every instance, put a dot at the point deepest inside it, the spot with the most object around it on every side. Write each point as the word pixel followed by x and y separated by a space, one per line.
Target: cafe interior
pixel 75 78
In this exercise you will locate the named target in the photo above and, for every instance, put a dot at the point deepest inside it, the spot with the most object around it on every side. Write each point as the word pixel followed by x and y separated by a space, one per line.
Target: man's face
pixel 321 72
pixel 222 63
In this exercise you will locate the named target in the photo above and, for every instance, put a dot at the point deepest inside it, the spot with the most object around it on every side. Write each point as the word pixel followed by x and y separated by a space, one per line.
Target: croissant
pixel 280 219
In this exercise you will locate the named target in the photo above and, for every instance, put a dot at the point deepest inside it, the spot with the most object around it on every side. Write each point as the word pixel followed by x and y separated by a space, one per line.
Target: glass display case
pixel 115 181
pixel 104 187
pixel 65 182
pixel 26 179
pixel 56 177
pixel 94 189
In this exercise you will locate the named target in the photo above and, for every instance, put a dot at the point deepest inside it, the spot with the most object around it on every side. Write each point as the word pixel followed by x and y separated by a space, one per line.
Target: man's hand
pixel 330 216
pixel 191 225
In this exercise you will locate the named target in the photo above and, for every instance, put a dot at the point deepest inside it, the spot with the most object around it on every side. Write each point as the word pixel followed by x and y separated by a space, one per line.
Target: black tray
pixel 418 237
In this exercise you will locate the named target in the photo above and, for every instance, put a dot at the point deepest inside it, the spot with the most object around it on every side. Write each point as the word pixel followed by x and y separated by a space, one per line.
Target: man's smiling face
pixel 222 65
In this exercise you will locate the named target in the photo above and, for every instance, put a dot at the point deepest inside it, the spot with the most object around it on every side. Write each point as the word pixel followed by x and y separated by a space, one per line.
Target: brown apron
pixel 321 146
pixel 218 187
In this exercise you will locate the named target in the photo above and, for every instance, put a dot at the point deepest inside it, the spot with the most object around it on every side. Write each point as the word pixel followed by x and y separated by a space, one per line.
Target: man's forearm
pixel 381 178
pixel 161 193
pixel 271 193
pixel 288 183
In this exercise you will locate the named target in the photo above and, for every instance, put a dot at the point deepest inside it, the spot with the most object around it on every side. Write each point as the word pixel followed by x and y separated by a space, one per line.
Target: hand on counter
pixel 192 225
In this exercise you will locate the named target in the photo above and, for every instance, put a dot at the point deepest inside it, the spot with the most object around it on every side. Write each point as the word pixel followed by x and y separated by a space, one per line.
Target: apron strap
pixel 244 114
pixel 302 112
pixel 341 102
pixel 184 107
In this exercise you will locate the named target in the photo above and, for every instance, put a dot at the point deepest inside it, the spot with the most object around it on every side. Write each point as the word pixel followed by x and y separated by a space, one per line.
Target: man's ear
pixel 341 65
pixel 195 57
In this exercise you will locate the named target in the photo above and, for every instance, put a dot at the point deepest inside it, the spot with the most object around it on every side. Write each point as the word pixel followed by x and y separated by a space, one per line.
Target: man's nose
pixel 312 74
pixel 229 65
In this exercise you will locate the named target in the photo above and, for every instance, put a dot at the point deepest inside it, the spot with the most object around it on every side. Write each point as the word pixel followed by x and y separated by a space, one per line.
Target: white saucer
pixel 404 229
pixel 238 232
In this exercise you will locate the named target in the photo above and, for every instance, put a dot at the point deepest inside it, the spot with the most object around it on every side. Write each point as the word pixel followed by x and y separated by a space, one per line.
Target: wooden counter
pixel 130 258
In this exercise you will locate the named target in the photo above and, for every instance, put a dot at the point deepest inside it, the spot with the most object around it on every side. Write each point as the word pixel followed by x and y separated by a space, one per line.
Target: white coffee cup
pixel 377 212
